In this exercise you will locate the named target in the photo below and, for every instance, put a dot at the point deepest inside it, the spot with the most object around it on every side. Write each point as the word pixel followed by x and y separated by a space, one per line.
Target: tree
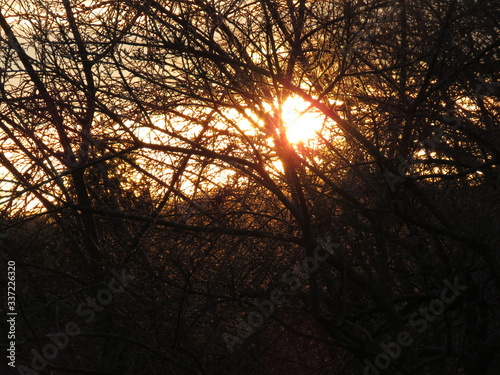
pixel 152 137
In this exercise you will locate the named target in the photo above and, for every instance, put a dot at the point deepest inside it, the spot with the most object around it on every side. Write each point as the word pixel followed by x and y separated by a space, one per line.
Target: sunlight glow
pixel 301 121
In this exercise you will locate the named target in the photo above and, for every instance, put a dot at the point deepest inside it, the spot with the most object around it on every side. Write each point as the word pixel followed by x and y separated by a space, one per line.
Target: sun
pixel 301 120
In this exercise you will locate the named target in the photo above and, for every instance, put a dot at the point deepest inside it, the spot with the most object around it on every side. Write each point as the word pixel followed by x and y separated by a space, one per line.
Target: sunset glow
pixel 301 120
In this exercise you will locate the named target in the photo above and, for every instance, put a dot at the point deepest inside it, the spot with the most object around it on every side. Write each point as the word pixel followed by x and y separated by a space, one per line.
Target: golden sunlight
pixel 301 120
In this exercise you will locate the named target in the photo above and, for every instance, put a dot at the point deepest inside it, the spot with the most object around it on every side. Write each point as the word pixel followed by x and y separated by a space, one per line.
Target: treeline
pixel 162 222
